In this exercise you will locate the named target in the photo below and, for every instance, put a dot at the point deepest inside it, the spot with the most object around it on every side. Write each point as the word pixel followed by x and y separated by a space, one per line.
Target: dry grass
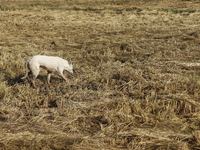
pixel 136 82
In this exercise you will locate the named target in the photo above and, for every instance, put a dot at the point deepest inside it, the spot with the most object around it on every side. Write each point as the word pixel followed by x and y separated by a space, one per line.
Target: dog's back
pixel 50 63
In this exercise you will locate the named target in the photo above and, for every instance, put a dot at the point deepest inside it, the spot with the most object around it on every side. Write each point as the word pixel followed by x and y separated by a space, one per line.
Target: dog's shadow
pixel 13 81
pixel 19 81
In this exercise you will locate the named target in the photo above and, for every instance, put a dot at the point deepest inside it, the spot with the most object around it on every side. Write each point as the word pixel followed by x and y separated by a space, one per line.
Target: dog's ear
pixel 70 62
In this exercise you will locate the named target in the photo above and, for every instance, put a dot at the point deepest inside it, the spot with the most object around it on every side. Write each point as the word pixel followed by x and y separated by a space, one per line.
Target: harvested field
pixel 136 82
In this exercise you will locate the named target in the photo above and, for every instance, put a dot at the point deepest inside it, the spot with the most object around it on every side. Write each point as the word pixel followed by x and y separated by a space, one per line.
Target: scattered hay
pixel 28 140
pixel 136 75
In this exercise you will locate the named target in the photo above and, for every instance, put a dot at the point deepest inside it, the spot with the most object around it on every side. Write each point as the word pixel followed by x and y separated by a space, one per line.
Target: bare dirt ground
pixel 136 75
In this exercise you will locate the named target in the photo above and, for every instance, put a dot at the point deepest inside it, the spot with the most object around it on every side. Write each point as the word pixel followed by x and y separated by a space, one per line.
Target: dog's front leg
pixel 48 77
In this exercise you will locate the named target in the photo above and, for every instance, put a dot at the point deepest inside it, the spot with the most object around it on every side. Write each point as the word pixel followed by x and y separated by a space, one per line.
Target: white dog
pixel 50 63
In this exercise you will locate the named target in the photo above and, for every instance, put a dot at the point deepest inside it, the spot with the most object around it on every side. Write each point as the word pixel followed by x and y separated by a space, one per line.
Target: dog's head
pixel 71 67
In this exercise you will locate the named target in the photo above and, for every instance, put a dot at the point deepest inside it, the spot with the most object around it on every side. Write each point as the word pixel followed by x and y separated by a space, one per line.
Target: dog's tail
pixel 26 69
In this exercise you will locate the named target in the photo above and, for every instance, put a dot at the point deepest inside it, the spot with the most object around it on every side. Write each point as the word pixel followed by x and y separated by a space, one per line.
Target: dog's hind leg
pixel 29 73
pixel 35 71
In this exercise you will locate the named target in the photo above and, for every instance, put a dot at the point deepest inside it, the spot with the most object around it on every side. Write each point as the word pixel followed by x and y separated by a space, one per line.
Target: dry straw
pixel 136 75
